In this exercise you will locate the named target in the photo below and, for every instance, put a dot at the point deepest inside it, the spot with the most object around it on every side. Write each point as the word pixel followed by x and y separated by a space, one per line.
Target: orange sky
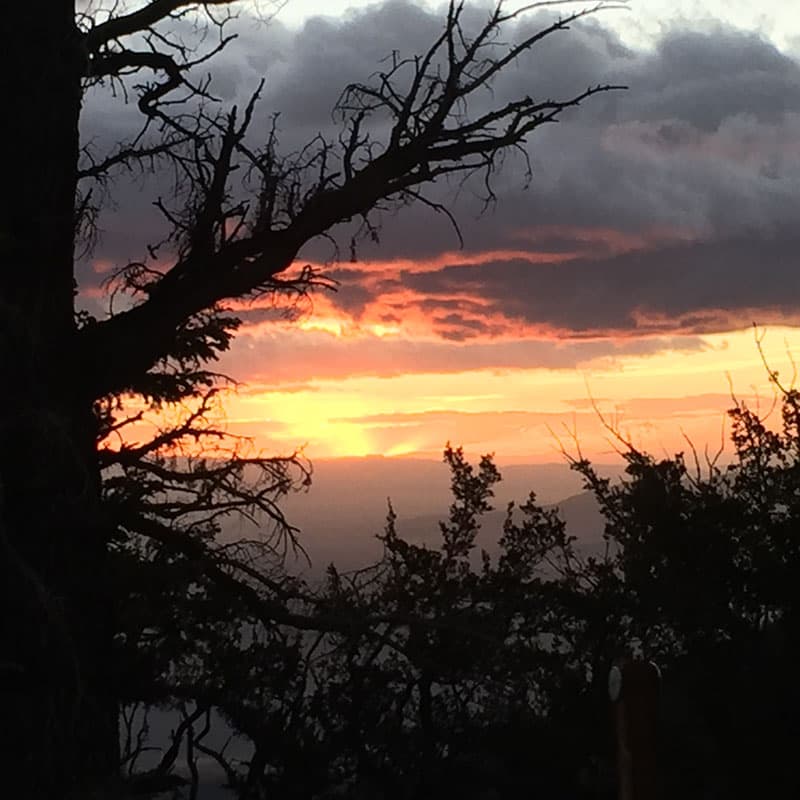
pixel 516 412
pixel 390 378
pixel 659 225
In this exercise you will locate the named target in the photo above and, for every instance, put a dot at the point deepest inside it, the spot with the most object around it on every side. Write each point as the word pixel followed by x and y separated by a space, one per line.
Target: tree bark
pixel 59 720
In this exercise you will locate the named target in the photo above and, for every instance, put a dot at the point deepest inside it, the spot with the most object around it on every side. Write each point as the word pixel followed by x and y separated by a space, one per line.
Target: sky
pixel 640 26
pixel 620 287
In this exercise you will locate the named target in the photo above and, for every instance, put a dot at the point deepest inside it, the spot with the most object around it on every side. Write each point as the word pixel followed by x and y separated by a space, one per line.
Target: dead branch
pixel 301 196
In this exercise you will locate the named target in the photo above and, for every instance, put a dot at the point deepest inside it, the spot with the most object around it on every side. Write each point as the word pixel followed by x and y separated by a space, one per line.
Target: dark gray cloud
pixel 458 328
pixel 697 287
pixel 704 142
pixel 704 145
pixel 707 78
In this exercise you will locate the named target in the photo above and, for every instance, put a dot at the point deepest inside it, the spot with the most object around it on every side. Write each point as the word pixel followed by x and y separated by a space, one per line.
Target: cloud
pixel 695 287
pixel 707 78
pixel 273 357
pixel 669 208
pixel 702 405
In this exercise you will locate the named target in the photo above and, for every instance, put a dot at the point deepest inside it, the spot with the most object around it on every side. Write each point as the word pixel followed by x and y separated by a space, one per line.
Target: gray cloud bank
pixel 704 146
pixel 696 288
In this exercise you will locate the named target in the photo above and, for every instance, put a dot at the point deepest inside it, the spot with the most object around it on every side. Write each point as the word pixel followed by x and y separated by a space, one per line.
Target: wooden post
pixel 633 686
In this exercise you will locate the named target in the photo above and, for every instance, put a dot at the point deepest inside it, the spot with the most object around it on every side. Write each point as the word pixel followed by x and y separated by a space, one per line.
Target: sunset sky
pixel 660 224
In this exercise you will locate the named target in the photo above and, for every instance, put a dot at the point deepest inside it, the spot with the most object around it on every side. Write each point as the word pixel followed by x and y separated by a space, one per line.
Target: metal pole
pixel 633 686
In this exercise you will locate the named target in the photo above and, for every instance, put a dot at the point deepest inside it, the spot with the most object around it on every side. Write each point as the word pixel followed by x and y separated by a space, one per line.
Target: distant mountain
pixel 347 503
pixel 582 515
pixel 580 512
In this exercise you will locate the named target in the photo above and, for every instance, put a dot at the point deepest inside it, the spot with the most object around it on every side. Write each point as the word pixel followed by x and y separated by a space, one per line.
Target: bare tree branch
pixel 138 21
pixel 302 196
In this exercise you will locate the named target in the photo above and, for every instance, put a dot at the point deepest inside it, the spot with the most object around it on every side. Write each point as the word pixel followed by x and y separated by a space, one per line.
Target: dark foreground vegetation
pixel 436 672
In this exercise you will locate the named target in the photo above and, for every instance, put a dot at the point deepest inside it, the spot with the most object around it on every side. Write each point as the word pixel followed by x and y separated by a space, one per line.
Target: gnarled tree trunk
pixel 58 716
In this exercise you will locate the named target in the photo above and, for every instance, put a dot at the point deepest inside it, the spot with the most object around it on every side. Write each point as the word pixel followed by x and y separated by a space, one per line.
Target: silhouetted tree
pixel 446 669
pixel 700 575
pixel 488 674
pixel 477 663
pixel 81 561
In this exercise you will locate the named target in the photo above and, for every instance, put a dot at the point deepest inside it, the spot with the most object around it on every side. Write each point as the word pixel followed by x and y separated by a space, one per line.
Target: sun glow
pixel 523 413
pixel 655 399
pixel 331 325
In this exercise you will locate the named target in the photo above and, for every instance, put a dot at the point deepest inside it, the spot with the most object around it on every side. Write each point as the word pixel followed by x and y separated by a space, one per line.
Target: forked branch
pixel 233 248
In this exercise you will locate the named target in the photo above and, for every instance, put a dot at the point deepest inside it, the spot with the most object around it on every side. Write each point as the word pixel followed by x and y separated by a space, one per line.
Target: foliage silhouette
pixel 115 584
pixel 445 676
pixel 701 577
pixel 485 674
